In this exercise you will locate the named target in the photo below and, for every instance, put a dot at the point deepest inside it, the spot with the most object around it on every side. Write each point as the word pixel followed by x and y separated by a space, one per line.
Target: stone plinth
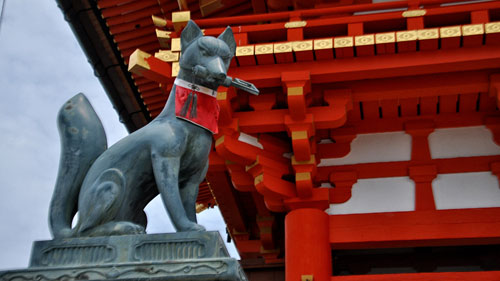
pixel 172 256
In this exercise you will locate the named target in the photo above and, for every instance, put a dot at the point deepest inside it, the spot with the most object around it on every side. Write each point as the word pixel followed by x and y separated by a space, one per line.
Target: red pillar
pixel 307 245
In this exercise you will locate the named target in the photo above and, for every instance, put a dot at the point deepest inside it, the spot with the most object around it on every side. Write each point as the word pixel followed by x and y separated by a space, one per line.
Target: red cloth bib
pixel 197 104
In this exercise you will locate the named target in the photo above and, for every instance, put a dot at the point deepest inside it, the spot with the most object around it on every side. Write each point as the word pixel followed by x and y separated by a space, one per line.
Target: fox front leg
pixel 166 172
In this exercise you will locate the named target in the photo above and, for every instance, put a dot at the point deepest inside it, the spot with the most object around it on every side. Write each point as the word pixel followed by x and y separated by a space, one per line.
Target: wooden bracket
pixel 343 182
pixel 144 64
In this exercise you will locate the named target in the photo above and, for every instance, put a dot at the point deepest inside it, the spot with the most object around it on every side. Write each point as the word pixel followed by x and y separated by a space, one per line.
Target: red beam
pixel 419 86
pixel 145 89
pixel 339 20
pixel 136 33
pixel 138 42
pixel 137 15
pixel 441 276
pixel 227 201
pixel 442 120
pixel 110 3
pixel 400 169
pixel 131 26
pixel 372 67
pixel 415 229
pixel 304 14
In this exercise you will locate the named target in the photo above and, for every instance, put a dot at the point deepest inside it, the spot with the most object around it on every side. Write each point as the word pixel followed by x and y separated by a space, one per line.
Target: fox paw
pixel 193 227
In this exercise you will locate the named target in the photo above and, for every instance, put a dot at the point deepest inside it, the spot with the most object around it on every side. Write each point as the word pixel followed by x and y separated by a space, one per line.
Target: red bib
pixel 197 104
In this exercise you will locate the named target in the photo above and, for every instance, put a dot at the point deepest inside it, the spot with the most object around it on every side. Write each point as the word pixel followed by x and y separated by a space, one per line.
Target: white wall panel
pixel 380 147
pixel 378 195
pixel 466 190
pixel 462 142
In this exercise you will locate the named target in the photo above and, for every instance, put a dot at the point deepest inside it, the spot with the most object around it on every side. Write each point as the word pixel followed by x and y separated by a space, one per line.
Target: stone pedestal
pixel 172 256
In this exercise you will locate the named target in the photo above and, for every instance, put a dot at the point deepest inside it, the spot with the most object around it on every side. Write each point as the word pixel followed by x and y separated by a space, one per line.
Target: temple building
pixel 372 151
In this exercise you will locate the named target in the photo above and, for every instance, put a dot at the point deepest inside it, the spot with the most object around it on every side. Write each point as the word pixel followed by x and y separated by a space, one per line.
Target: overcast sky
pixel 42 66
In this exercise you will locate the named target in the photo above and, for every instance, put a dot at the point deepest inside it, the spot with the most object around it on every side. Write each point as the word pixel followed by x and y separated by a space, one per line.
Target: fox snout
pixel 213 71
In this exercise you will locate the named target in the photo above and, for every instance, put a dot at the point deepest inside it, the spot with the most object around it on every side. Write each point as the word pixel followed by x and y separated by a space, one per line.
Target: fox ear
pixel 189 34
pixel 228 37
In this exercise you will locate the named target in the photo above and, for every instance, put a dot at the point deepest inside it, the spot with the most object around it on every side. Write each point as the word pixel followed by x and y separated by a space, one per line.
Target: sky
pixel 41 67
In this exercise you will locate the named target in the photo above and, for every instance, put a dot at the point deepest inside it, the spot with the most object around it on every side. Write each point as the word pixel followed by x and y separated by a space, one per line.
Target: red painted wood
pixel 365 50
pixel 389 108
pixel 311 13
pixel 370 110
pixel 110 3
pixel 138 41
pixel 128 8
pixel 306 243
pixel 400 169
pixel 131 26
pixel 324 54
pixel 446 120
pixel 450 43
pixel 389 48
pixel 397 65
pixel 448 104
pixel 415 229
pixel 423 177
pixel 226 200
pixel 149 89
pixel 428 105
pixel 433 85
pixel 156 99
pixel 468 102
pixel 409 106
pixel 441 276
pixel 136 33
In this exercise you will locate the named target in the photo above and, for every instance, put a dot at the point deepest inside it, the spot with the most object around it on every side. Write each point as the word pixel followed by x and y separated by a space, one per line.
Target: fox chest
pixel 197 104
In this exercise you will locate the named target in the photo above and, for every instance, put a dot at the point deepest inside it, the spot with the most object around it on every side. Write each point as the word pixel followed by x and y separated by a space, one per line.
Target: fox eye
pixel 204 53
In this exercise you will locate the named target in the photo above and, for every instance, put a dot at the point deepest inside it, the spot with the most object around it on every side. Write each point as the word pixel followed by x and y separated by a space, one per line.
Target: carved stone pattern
pixel 162 251
pixel 73 255
pixel 126 272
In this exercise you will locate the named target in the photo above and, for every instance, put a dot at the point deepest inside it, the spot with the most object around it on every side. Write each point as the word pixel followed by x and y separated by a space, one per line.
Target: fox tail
pixel 82 140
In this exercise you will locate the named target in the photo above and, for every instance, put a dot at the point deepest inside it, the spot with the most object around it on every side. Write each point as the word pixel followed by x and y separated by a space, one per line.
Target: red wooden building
pixel 370 154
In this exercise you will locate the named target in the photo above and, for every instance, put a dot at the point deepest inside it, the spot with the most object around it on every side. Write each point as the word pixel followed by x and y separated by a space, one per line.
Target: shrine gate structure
pixel 372 152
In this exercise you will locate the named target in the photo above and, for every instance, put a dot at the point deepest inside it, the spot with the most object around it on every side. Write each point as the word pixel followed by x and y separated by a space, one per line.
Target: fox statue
pixel 109 187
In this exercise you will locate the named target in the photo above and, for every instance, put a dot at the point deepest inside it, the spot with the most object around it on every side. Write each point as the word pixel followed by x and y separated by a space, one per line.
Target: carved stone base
pixel 202 269
pixel 172 256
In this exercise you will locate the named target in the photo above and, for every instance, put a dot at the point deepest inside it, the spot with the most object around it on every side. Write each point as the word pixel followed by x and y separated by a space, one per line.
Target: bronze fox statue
pixel 109 187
